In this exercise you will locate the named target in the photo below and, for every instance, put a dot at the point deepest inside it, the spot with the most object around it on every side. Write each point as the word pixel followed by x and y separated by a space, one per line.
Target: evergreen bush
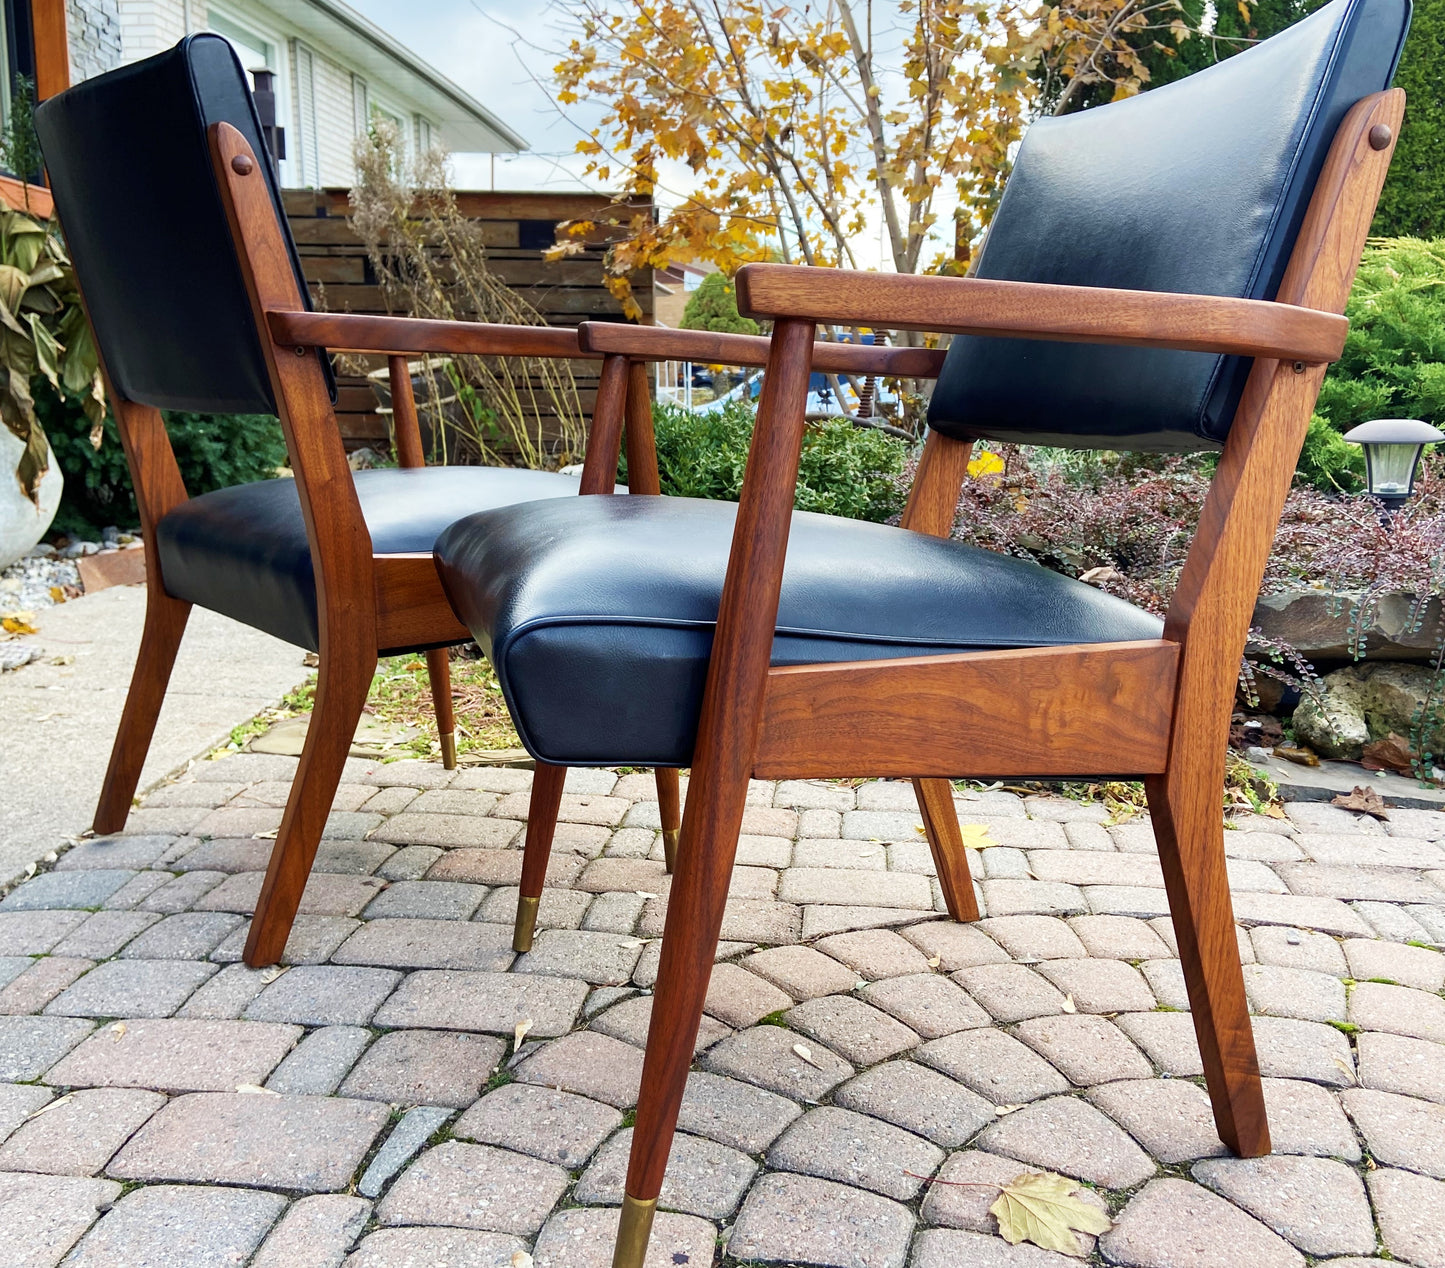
pixel 714 306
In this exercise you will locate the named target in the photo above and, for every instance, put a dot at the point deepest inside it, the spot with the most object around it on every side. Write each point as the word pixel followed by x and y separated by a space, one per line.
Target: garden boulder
pixel 1318 625
pixel 1367 702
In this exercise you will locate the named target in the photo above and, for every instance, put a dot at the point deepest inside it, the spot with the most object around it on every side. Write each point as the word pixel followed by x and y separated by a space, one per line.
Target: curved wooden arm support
pixel 1032 310
pixel 658 343
pixel 350 332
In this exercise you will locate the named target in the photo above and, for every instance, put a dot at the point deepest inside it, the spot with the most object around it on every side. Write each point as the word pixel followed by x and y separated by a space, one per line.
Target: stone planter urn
pixel 22 522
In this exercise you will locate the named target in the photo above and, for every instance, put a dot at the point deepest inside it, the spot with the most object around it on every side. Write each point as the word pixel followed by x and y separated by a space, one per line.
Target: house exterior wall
pixel 93 31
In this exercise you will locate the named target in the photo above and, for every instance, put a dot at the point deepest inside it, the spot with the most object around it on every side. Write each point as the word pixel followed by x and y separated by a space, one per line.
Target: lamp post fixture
pixel 1392 456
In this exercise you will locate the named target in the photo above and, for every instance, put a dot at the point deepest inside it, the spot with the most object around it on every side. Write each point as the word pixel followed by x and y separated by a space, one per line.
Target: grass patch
pixel 774 1019
pixel 1346 1027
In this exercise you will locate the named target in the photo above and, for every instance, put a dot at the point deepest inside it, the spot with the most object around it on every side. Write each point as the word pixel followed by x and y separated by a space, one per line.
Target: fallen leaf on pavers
pixel 251 1089
pixel 629 943
pixel 975 836
pixel 266 836
pixel 118 1031
pixel 1391 753
pixel 270 974
pixel 1299 756
pixel 1068 1005
pixel 1346 1067
pixel 519 1032
pixel 642 893
pixel 920 829
pixel 1040 1208
pixel 935 961
pixel 19 623
pixel 56 1104
pixel 1364 799
pixel 1273 810
pixel 520 1259
pixel 1001 1110
pixel 806 1053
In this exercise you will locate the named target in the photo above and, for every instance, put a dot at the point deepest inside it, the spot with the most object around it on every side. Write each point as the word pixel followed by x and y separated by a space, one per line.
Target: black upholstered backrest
pixel 130 166
pixel 1198 186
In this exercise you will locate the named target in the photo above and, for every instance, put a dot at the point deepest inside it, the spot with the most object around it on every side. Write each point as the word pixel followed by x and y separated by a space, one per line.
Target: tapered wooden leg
pixel 940 823
pixel 165 622
pixel 546 801
pixel 1185 806
pixel 669 807
pixel 439 673
pixel 341 686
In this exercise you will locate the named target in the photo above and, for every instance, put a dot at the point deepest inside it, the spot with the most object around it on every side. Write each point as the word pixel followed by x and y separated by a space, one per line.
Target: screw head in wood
pixel 1380 136
pixel 244 164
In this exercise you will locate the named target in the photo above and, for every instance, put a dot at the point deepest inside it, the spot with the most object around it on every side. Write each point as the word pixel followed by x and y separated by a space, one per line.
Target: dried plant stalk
pixel 430 261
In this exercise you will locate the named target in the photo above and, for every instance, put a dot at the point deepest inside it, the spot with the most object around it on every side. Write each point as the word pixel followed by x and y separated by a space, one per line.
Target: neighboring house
pixel 673 286
pixel 335 72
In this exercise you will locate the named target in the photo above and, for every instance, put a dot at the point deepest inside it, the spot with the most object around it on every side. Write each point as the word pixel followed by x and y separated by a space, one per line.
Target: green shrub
pixel 844 470
pixel 1329 462
pixel 212 450
pixel 714 306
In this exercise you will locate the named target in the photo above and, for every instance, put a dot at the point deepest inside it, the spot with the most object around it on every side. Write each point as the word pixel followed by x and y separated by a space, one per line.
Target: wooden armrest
pixel 399 336
pixel 1032 310
pixel 658 343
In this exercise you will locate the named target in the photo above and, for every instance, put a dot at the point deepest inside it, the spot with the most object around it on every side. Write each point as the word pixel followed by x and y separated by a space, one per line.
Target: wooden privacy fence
pixel 517 228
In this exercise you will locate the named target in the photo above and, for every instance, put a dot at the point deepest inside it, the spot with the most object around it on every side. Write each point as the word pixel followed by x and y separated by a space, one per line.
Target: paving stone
pixel 1093 867
pixel 732 1113
pixel 557 1127
pixel 803 972
pixel 1402 965
pixel 1399 1130
pixel 1411 1211
pixel 1328 915
pixel 52 890
pixel 1174 1224
pixel 79 1134
pixel 326 894
pixel 410 863
pixel 1171 1118
pixel 927 1003
pixel 1306 1119
pixel 1263 847
pixel 952 1248
pixel 501 867
pixel 1017 898
pixel 449 831
pixel 1089 836
pixel 1167 1039
pixel 324 995
pixel 1118 937
pixel 824 922
pixel 638 843
pixel 315 1233
pixel 105 933
pixel 1300 993
pixel 631 1019
pixel 225 996
pixel 919 1100
pixel 457 801
pixel 390 801
pixel 435 1247
pixel 810 794
pixel 498 779
pixel 193 794
pixel 1139 901
pixel 491 1002
pixel 838 1144
pixel 201 1227
pixel 41 983
pixel 180 894
pixel 1033 937
pixel 1166 980
pixel 1065 810
pixel 1399 1010
pixel 1432 919
pixel 407 943
pixel 12 966
pixel 802 1219
pixel 1371 851
pixel 428 900
pixel 188 936
pixel 756 851
pixel 624 875
pixel 1390 921
pixel 136 890
pixel 1316 1203
pixel 1099 986
pixel 703 1177
pixel 131 988
pixel 1290 1049
pixel 995 1065
pixel 954 946
pixel 559 908
pixel 224 854
pixel 417 1126
pixel 1428 825
pixel 172 1055
pixel 843 888
pixel 1002 862
pixel 316 1066
pixel 1373 884
pixel 613 913
pixel 1010 992
pixel 1396 1063
pixel 311 1144
pixel 765 1056
pixel 589 1064
pixel 18 1101
pixel 606 959
pixel 234 821
pixel 313 939
pixel 583 1238
pixel 1319 817
pixel 1164 927
pixel 425 1067
pixel 1068 1135
pixel 1085 1050
pixel 119 853
pixel 1298 949
pixel 1017 833
pixel 857 1031
pixel 475 1186
pixel 831 852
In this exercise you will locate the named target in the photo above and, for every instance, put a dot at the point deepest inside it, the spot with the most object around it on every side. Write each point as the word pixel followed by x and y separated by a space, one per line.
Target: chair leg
pixel 940 824
pixel 439 672
pixel 669 805
pixel 341 687
pixel 165 622
pixel 1188 826
pixel 695 907
pixel 546 801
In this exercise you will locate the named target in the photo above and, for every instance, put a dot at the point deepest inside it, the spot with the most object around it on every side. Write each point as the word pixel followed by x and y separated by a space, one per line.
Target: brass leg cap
pixel 633 1231
pixel 449 749
pixel 526 924
pixel 669 846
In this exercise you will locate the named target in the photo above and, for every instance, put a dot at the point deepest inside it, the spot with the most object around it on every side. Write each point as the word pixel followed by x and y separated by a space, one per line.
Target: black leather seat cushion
pixel 598 613
pixel 243 552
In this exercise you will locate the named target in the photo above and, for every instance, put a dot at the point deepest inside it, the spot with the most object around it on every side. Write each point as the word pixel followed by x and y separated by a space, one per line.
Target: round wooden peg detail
pixel 244 165
pixel 1381 136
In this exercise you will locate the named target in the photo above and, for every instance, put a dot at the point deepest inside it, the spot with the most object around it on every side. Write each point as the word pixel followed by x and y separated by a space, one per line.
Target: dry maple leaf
pixel 806 1053
pixel 1364 799
pixel 1391 753
pixel 975 836
pixel 1039 1207
pixel 519 1032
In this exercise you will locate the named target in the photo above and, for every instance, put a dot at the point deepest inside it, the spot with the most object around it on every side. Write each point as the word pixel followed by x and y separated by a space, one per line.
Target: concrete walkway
pixel 60 720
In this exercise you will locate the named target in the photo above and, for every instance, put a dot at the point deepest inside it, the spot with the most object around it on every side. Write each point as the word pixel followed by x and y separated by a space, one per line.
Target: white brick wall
pixel 93 28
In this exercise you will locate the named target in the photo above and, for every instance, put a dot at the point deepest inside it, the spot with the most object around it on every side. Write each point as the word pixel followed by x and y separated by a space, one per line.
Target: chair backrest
pixel 130 167
pixel 1200 187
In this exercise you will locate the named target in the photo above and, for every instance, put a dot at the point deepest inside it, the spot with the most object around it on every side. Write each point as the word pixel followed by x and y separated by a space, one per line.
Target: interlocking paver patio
pixel 1040 1037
